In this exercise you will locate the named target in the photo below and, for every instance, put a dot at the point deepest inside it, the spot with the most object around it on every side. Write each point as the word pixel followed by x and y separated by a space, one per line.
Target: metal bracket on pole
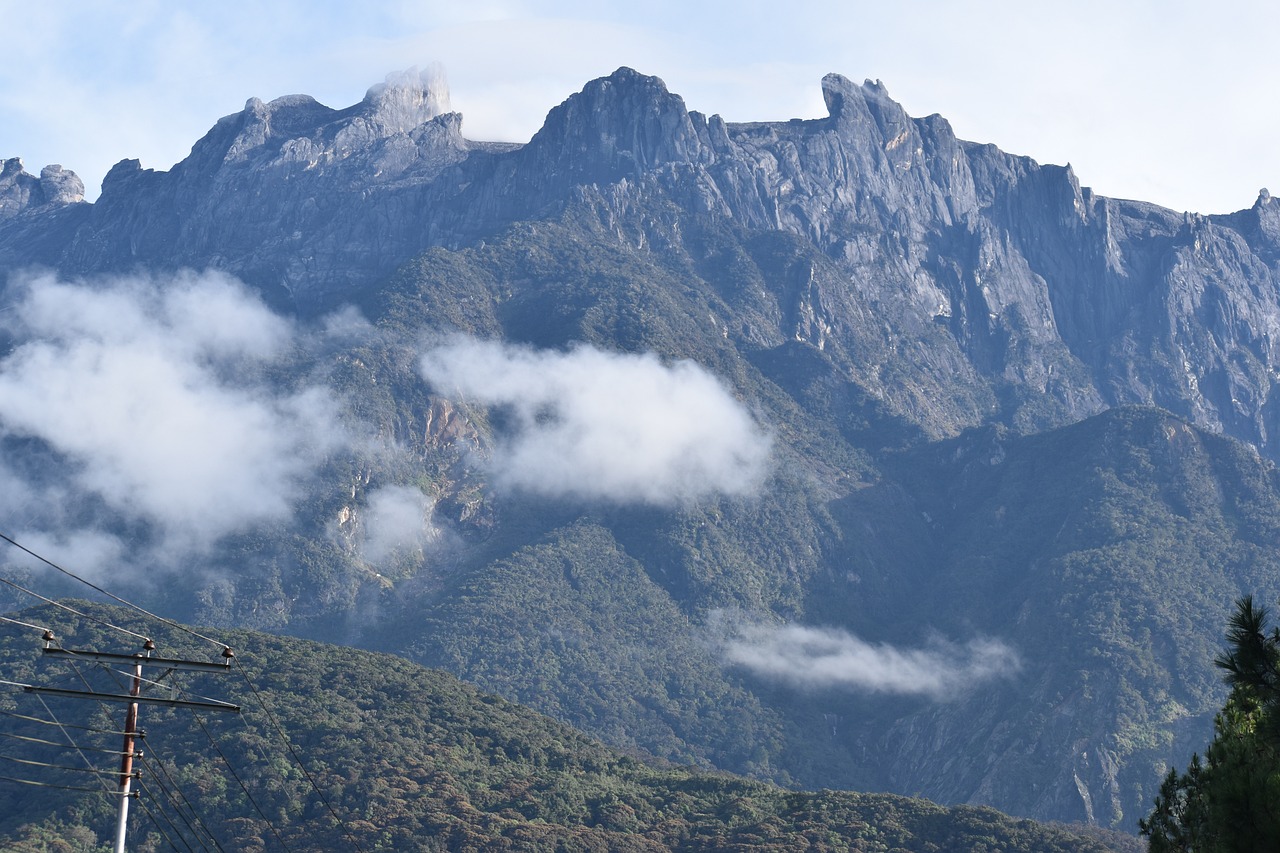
pixel 107 657
pixel 133 699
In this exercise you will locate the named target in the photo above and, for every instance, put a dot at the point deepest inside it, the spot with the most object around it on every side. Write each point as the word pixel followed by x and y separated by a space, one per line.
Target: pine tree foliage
pixel 1231 801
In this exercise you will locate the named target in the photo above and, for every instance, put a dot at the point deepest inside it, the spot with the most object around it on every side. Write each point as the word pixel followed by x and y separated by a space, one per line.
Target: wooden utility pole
pixel 126 752
pixel 133 699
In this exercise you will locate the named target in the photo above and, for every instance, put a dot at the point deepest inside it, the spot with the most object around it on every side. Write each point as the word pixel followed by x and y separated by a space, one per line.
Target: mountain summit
pixel 1008 278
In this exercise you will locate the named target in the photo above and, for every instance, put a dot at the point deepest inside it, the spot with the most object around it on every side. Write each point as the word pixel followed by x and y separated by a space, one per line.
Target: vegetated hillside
pixel 614 615
pixel 865 287
pixel 1103 553
pixel 406 759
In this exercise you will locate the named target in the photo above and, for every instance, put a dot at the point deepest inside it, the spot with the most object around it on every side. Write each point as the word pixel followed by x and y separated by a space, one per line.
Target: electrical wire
pixel 59 787
pixel 113 596
pixel 239 782
pixel 142 801
pixel 85 681
pixel 57 745
pixel 153 683
pixel 69 608
pixel 285 739
pixel 154 762
pixel 177 809
pixel 23 624
pixel 72 740
pixel 54 722
pixel 33 763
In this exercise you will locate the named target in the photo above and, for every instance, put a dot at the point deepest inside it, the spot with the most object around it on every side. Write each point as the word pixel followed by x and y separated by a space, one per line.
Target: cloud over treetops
pixel 600 425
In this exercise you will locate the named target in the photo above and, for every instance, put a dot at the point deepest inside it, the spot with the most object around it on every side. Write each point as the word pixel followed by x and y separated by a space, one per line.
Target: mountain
pixel 842 452
pixel 412 759
pixel 1018 295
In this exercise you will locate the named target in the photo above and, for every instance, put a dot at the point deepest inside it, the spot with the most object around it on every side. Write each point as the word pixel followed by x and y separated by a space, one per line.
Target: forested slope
pixel 406 758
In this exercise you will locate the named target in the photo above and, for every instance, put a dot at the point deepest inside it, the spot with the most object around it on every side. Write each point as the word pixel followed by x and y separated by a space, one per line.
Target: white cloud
pixel 89 553
pixel 593 424
pixel 152 393
pixel 397 518
pixel 832 658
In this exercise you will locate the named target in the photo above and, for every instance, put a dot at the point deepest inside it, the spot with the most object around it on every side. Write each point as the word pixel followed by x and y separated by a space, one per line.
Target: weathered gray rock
pixel 22 193
pixel 971 284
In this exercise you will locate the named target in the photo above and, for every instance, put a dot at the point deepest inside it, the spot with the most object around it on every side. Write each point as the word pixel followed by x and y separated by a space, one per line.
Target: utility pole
pixel 133 699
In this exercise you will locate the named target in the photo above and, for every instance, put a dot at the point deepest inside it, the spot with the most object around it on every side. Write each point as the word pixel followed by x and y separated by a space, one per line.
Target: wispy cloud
pixel 397 518
pixel 153 397
pixel 599 425
pixel 832 658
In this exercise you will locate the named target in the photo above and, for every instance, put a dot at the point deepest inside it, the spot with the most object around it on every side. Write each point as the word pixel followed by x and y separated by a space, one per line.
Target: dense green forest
pixel 403 758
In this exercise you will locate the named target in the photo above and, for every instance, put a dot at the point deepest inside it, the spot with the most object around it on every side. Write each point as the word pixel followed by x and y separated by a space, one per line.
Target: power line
pixel 23 624
pixel 111 595
pixel 159 684
pixel 289 745
pixel 54 722
pixel 59 787
pixel 176 807
pixel 54 743
pixel 33 763
pixel 72 740
pixel 71 609
pixel 236 776
pixel 142 801
pixel 149 762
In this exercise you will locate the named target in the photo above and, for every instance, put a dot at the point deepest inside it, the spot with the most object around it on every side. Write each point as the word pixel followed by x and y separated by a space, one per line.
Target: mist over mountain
pixel 840 452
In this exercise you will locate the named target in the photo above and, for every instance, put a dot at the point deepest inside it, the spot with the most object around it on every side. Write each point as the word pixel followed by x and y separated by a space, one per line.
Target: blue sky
pixel 1172 102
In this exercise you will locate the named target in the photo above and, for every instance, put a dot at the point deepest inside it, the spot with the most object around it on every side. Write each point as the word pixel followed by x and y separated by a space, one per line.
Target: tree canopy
pixel 1230 801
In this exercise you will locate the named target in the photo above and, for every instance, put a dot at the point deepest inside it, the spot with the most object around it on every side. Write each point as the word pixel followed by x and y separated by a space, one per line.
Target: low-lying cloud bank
pixel 153 396
pixel 832 658
pixel 599 425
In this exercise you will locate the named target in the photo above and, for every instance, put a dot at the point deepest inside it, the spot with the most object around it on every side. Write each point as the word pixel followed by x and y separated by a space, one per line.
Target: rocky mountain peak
pixel 297 127
pixel 851 104
pixel 1266 212
pixel 1005 271
pixel 21 191
pixel 405 100
pixel 618 126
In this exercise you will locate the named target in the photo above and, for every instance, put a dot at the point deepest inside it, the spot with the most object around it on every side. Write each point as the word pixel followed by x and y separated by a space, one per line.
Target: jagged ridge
pixel 1006 276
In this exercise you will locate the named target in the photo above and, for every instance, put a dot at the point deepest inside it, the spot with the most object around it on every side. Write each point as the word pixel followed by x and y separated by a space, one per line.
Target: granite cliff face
pixel 962 284
pixel 21 193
